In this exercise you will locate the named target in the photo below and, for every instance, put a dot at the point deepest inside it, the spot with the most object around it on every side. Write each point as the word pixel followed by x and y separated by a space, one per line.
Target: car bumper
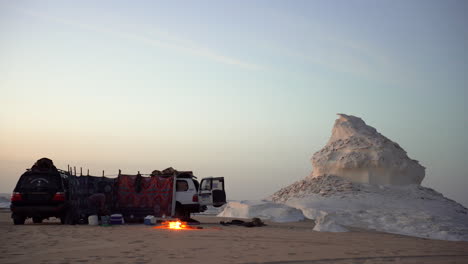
pixel 43 210
pixel 192 208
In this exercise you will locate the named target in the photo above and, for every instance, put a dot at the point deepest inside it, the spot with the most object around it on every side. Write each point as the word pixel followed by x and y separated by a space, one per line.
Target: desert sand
pixel 51 242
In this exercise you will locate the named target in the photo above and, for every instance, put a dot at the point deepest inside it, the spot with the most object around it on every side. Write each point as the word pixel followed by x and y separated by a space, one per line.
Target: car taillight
pixel 16 196
pixel 60 196
pixel 195 198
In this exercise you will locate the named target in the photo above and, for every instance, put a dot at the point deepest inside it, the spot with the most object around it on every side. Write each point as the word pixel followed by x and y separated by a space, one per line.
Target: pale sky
pixel 247 90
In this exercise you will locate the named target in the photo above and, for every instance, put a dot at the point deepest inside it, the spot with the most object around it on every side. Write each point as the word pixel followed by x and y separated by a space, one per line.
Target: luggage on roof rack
pixel 43 164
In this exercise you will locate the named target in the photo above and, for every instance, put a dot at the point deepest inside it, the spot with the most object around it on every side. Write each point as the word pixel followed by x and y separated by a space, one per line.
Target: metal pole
pixel 173 195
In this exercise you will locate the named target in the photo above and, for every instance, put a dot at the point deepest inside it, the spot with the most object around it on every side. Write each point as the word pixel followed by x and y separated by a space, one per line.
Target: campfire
pixel 176 225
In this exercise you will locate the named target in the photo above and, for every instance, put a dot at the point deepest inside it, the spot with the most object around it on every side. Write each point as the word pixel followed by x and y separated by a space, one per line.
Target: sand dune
pixel 296 242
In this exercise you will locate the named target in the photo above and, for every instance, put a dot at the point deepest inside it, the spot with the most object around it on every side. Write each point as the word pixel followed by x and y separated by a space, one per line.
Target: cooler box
pixel 116 219
pixel 149 220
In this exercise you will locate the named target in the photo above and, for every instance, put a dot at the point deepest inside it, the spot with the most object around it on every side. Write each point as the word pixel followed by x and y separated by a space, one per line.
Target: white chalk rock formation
pixel 362 179
pixel 358 153
pixel 325 223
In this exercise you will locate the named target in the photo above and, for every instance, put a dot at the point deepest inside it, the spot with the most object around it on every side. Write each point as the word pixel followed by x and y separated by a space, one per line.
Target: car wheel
pixel 181 213
pixel 69 218
pixel 18 219
pixel 37 220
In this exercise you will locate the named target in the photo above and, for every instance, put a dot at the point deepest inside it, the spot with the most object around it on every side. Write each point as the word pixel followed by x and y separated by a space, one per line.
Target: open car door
pixel 212 192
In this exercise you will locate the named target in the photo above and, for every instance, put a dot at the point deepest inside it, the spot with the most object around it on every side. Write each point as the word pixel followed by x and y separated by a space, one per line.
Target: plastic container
pixel 150 220
pixel 93 220
pixel 105 220
pixel 116 219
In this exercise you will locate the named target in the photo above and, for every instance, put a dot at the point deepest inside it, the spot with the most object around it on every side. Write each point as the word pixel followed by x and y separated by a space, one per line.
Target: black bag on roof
pixel 43 164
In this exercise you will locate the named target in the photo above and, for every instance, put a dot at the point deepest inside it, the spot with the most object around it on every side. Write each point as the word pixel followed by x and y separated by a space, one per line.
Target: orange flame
pixel 174 225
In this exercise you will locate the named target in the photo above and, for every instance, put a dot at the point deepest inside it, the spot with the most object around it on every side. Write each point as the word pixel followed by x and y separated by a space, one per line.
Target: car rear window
pixel 34 181
pixel 182 186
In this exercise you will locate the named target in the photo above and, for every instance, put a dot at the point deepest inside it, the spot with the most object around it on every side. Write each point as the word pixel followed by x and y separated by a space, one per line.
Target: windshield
pixel 206 184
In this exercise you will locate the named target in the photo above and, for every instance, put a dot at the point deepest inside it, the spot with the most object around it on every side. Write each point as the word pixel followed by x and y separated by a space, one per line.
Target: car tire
pixel 37 220
pixel 181 213
pixel 18 219
pixel 68 218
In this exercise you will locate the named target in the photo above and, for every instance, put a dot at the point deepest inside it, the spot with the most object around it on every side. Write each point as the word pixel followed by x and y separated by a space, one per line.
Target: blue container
pixel 149 220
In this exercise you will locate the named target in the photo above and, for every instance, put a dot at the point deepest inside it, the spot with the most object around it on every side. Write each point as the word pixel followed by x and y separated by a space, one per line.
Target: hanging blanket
pixel 139 196
pixel 82 187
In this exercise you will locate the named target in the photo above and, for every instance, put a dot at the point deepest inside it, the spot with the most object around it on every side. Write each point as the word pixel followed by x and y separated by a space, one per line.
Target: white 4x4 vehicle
pixel 193 197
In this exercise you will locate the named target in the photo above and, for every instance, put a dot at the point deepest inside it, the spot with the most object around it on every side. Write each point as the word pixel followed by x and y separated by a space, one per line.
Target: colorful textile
pixel 140 196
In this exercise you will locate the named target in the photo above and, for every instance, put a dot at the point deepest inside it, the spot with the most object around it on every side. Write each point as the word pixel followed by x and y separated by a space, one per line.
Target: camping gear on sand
pixel 116 219
pixel 256 222
pixel 105 220
pixel 150 220
pixel 93 220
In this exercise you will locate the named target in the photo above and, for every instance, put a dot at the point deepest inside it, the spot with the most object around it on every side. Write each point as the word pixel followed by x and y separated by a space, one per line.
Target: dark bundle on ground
pixel 256 222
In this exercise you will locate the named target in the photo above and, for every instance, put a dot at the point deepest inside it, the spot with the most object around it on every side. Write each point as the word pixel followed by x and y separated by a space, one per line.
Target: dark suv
pixel 41 192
